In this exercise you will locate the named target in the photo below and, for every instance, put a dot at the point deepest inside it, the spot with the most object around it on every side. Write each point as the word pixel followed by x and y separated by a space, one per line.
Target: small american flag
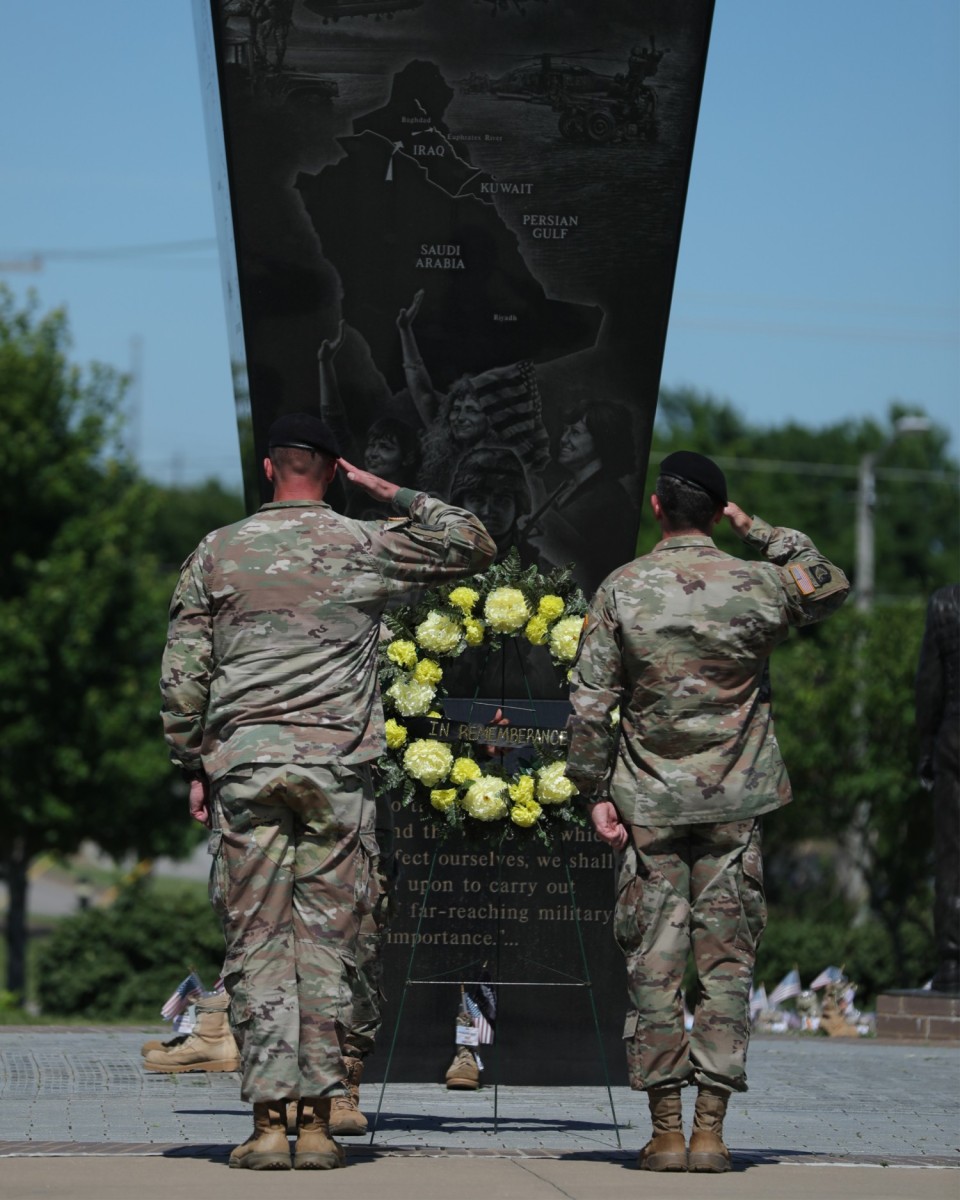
pixel 182 997
pixel 827 975
pixel 758 1000
pixel 788 986
pixel 481 1024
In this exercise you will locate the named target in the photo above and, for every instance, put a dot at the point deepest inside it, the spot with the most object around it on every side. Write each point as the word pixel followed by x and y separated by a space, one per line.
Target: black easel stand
pixel 443 979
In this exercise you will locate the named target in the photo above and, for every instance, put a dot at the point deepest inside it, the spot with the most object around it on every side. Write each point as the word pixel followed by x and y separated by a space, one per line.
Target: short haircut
pixel 306 464
pixel 684 505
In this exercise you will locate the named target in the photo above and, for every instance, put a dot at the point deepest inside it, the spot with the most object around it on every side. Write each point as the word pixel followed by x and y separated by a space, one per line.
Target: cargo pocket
pixel 217 883
pixel 236 986
pixel 628 924
pixel 753 904
pixel 367 887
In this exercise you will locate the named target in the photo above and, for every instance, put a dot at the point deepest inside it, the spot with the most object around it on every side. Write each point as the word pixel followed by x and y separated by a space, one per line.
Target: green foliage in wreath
pixel 452 782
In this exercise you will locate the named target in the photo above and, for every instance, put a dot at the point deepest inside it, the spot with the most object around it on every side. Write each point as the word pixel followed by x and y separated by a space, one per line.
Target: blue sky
pixel 819 271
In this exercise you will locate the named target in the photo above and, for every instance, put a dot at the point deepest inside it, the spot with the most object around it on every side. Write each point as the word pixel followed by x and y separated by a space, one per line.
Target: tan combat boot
pixel 463 1074
pixel 169 1044
pixel 210 1047
pixel 707 1151
pixel 667 1149
pixel 267 1148
pixel 346 1119
pixel 315 1149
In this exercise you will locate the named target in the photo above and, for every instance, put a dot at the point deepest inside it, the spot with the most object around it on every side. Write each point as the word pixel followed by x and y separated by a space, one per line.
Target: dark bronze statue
pixel 938 723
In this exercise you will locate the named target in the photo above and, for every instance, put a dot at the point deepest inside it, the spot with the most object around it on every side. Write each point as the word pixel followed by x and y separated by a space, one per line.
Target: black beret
pixel 303 431
pixel 696 469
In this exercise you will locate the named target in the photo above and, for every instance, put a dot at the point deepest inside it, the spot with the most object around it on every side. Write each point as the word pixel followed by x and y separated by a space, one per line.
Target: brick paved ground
pixel 82 1092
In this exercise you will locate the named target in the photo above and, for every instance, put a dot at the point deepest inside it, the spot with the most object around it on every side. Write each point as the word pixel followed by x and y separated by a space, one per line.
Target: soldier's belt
pixel 485 735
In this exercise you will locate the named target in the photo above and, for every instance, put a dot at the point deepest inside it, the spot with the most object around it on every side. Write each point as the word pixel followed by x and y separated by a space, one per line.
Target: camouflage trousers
pixel 683 889
pixel 293 875
pixel 366 976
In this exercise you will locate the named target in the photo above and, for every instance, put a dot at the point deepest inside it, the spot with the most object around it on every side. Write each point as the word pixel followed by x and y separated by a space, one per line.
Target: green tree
pixel 807 479
pixel 82 614
pixel 844 705
pixel 183 515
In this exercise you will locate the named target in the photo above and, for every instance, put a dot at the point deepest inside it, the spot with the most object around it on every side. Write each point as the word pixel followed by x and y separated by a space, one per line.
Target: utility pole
pixel 866 507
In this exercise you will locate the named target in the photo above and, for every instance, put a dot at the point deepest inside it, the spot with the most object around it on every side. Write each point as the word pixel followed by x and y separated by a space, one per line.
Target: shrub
pixel 866 952
pixel 122 962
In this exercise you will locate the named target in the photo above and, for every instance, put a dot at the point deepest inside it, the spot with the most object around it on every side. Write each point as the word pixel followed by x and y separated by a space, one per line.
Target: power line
pixel 36 260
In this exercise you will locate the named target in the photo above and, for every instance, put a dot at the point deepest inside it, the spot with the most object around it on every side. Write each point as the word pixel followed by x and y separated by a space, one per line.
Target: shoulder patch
pixel 805 584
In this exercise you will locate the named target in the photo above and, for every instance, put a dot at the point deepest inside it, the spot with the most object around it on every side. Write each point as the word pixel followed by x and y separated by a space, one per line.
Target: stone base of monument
pixel 919 1015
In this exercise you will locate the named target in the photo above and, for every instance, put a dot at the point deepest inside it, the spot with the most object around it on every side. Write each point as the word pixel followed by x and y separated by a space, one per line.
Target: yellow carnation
pixel 473 629
pixel 443 799
pixel 464 598
pixel 465 770
pixel 396 734
pixel 550 607
pixel 439 633
pixel 403 653
pixel 565 638
pixel 553 787
pixel 506 609
pixel 411 699
pixel 428 672
pixel 525 815
pixel 521 792
pixel 484 799
pixel 537 630
pixel 427 760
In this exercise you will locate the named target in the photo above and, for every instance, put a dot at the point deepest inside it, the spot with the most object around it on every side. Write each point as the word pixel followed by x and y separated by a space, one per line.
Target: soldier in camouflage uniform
pixel 271 706
pixel 679 640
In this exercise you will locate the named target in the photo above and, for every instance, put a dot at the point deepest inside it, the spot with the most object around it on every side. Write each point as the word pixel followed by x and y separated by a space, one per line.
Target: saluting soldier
pixel 271 706
pixel 679 640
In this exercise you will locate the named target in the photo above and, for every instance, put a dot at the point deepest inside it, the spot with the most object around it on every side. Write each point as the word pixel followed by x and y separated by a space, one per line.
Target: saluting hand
pixel 740 521
pixel 373 485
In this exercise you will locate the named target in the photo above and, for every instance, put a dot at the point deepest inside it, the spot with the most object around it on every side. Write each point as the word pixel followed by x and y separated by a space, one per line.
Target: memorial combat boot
pixel 346 1119
pixel 267 1148
pixel 463 1074
pixel 667 1149
pixel 315 1149
pixel 169 1044
pixel 210 1047
pixel 707 1151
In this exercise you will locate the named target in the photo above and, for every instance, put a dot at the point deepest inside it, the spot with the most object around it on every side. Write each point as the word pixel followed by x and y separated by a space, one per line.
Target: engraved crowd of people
pixel 483 444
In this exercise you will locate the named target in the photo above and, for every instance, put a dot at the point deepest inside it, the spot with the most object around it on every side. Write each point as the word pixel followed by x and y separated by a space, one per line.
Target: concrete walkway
pixel 79 1117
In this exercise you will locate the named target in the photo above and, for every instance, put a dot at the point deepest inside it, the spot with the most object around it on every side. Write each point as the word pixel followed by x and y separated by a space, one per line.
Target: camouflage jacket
pixel 679 640
pixel 271 651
